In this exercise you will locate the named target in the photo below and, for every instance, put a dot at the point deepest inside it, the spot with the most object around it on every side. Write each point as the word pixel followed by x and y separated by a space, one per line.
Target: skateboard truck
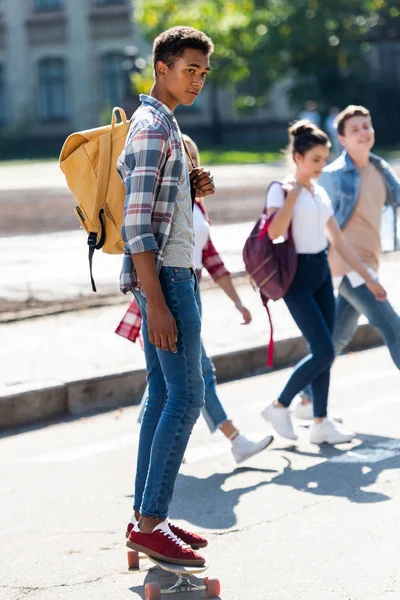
pixel 183 585
pixel 211 587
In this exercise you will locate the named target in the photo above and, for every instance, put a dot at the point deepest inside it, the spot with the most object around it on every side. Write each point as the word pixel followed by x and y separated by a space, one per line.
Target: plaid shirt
pixel 130 325
pixel 151 167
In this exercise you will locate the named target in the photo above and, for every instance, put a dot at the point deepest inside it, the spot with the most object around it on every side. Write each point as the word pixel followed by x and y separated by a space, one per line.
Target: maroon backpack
pixel 271 266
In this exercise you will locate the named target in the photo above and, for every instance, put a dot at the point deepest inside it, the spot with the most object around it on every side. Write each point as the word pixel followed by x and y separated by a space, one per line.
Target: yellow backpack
pixel 88 160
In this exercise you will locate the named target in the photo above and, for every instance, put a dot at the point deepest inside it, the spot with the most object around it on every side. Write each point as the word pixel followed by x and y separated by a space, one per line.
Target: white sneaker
pixel 280 420
pixel 244 448
pixel 329 431
pixel 304 411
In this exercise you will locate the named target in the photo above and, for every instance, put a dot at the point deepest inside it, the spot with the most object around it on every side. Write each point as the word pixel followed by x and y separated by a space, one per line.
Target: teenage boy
pixel 359 184
pixel 158 268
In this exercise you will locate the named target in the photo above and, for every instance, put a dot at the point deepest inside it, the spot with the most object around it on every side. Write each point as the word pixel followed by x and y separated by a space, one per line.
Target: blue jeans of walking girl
pixel 213 411
pixel 311 302
pixel 176 395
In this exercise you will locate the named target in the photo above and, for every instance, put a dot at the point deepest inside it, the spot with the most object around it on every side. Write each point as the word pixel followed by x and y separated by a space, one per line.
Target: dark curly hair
pixel 171 44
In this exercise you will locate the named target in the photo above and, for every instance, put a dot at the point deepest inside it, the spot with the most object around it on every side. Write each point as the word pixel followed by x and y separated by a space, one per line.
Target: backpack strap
pixel 97 223
pixel 188 153
pixel 97 220
pixel 268 221
pixel 271 345
pixel 263 231
pixel 192 188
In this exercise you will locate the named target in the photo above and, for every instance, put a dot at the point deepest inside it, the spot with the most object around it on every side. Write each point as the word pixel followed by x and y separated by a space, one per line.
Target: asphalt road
pixel 295 523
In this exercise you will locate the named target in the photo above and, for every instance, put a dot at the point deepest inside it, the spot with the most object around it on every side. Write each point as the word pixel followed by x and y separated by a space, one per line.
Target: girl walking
pixel 300 202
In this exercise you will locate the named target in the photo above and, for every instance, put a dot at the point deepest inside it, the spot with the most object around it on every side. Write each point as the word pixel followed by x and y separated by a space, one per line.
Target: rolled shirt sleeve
pixel 145 155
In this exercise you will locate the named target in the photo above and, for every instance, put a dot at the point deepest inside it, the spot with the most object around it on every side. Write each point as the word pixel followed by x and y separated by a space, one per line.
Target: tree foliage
pixel 318 44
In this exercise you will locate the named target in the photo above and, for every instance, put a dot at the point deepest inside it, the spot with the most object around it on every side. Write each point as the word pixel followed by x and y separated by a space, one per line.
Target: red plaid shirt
pixel 131 322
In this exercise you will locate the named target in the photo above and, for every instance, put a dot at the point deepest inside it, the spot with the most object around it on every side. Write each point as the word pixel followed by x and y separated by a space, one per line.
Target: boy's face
pixel 184 81
pixel 358 135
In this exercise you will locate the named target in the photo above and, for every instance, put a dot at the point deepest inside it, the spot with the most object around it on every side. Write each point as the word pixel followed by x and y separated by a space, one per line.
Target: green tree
pixel 322 45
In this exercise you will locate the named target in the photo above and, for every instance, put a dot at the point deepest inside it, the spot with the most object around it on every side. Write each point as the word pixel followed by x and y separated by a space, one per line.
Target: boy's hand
pixel 202 181
pixel 377 289
pixel 161 327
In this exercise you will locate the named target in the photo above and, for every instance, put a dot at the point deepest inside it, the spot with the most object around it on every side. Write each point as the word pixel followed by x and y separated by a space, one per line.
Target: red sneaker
pixel 164 545
pixel 192 539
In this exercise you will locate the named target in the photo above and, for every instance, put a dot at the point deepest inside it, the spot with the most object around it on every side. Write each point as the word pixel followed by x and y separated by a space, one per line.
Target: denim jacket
pixel 341 179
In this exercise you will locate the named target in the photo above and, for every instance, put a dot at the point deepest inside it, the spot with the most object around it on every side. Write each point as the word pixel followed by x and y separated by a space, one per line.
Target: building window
pixel 48 5
pixel 114 79
pixel 109 2
pixel 52 89
pixel 2 96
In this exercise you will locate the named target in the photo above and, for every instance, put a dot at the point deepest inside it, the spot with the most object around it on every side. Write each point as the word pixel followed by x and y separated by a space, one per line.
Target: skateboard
pixel 153 591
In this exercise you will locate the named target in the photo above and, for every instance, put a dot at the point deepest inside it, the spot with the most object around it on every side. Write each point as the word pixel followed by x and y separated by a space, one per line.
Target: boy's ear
pixel 342 139
pixel 161 69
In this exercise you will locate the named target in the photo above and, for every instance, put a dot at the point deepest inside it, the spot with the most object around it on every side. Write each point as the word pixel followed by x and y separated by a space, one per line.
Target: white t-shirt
pixel 202 233
pixel 180 244
pixel 310 216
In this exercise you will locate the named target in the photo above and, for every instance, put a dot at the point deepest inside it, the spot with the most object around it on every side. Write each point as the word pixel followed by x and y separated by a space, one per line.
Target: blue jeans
pixel 175 399
pixel 351 303
pixel 311 302
pixel 359 300
pixel 213 411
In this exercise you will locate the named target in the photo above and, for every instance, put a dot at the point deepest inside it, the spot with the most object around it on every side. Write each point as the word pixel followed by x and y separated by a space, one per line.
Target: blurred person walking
pixel 310 299
pixel 359 184
pixel 205 255
pixel 331 129
pixel 310 113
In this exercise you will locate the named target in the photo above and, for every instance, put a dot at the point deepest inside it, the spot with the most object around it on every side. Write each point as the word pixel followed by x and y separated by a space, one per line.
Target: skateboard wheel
pixel 133 559
pixel 213 587
pixel 152 591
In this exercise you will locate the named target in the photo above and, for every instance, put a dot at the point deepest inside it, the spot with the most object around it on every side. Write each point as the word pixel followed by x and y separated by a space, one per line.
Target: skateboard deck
pixel 179 569
pixel 153 590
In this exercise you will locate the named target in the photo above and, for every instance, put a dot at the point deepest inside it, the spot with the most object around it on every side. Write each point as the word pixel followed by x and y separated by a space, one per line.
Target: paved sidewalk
pixel 42 270
pixel 54 267
pixel 43 353
pixel 34 197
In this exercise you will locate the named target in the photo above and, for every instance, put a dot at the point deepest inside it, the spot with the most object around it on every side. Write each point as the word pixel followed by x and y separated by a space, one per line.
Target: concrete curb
pixel 51 400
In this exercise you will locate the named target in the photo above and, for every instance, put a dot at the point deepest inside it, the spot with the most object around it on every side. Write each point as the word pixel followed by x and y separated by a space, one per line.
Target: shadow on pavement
pixel 345 473
pixel 204 503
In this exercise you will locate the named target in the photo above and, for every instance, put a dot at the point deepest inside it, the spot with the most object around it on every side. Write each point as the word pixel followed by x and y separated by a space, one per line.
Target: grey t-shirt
pixel 179 250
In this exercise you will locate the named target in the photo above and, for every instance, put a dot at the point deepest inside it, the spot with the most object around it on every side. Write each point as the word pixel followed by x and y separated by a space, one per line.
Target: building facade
pixel 62 63
pixel 65 63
